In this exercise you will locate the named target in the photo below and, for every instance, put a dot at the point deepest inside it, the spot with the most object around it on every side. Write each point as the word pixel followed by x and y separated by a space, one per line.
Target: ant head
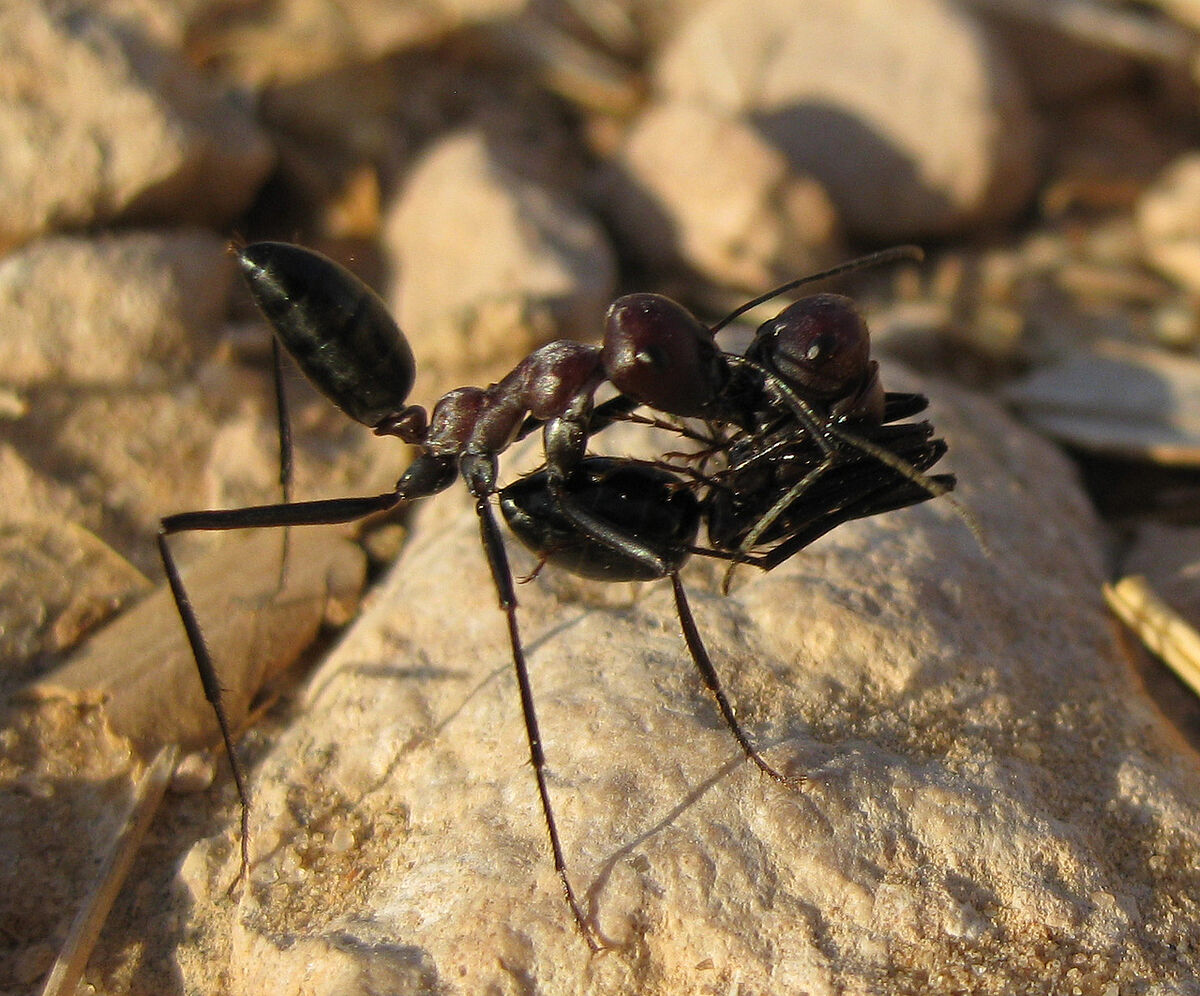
pixel 819 345
pixel 657 352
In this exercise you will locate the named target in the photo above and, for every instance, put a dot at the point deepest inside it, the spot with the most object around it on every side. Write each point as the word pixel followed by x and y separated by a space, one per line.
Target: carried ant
pixel 795 437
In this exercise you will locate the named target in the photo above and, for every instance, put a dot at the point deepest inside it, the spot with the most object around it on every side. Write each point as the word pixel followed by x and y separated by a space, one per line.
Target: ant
pixel 797 436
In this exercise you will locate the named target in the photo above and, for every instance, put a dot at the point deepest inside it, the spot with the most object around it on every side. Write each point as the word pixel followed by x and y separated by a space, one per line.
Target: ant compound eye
pixel 658 353
pixel 820 348
pixel 820 345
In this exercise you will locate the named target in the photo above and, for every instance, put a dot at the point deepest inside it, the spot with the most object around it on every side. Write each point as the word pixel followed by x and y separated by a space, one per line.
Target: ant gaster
pixel 795 434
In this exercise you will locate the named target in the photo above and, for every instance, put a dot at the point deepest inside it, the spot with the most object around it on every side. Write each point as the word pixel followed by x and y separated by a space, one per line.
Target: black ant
pixel 796 437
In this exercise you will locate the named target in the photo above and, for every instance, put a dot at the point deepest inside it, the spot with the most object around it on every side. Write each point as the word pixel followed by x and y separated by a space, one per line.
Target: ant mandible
pixel 797 437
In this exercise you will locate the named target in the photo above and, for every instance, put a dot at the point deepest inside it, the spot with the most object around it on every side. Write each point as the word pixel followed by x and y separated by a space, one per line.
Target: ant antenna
pixel 912 253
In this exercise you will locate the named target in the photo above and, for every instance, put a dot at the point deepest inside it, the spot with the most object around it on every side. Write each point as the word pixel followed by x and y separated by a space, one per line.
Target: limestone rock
pixel 130 130
pixel 120 310
pixel 914 121
pixel 704 188
pixel 490 264
pixel 1168 216
pixel 57 581
pixel 991 804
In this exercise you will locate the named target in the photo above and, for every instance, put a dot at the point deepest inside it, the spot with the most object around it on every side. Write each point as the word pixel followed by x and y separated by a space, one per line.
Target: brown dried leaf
pixel 142 664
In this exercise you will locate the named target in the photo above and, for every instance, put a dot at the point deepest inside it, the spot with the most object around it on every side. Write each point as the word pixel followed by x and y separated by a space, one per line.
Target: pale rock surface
pixel 1168 218
pixel 490 264
pixel 98 335
pixel 912 118
pixel 705 188
pixel 1184 11
pixel 57 581
pixel 123 309
pixel 64 790
pixel 1119 399
pixel 119 129
pixel 294 40
pixel 29 493
pixel 991 805
pixel 131 456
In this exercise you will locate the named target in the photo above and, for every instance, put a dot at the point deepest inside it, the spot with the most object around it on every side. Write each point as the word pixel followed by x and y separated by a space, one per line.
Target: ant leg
pixel 327 512
pixel 859 486
pixel 824 435
pixel 771 516
pixel 819 428
pixel 497 558
pixel 286 471
pixel 708 673
pixel 887 499
pixel 284 421
pixel 825 432
pixel 896 463
pixel 934 486
pixel 212 690
pixel 623 543
pixel 322 512
pixel 680 429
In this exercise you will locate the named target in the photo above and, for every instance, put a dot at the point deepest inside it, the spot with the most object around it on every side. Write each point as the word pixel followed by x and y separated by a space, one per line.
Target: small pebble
pixel 194 773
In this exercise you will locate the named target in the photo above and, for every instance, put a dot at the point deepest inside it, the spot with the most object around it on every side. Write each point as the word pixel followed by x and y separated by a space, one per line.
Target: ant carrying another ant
pixel 793 438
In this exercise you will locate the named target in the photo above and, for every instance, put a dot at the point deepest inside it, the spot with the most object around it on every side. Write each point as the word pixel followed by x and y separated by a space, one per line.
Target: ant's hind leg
pixel 662 563
pixel 708 674
pixel 212 690
pixel 300 513
pixel 497 558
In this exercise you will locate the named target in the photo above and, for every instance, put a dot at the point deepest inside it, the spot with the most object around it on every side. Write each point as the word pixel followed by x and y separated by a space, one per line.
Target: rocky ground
pixel 1001 789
